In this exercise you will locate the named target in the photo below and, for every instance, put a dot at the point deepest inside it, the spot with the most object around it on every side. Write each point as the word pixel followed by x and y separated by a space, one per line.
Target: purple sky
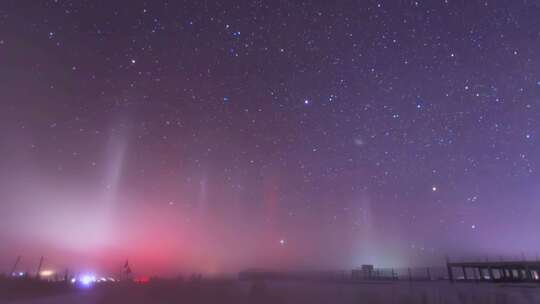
pixel 220 135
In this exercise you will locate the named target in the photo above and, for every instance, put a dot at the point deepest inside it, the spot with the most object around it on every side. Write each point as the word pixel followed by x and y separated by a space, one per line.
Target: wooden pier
pixel 495 271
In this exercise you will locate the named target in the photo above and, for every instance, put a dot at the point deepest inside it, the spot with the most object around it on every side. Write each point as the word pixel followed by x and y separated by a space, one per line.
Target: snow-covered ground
pixel 75 298
pixel 305 292
pixel 405 292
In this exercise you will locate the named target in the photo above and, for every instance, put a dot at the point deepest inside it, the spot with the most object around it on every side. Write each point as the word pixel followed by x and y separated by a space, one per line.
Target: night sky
pixel 220 135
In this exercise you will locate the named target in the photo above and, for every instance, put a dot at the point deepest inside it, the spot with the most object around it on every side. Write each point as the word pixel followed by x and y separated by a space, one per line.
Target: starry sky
pixel 220 135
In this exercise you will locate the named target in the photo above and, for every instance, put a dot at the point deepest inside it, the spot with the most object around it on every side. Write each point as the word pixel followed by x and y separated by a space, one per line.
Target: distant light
pixel 133 61
pixel 434 188
pixel 282 242
pixel 46 273
pixel 473 226
pixel 87 280
pixel 142 280
pixel 306 101
pixel 73 280
pixel 21 274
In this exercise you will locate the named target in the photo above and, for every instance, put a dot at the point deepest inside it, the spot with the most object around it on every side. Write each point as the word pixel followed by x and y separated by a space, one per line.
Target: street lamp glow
pixel 87 279
pixel 46 273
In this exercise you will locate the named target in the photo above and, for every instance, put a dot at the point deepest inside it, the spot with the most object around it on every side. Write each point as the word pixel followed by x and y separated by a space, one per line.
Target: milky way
pixel 220 135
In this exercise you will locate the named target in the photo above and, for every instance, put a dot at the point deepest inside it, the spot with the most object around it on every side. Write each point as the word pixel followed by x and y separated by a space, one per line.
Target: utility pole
pixel 39 267
pixel 15 265
pixel 450 270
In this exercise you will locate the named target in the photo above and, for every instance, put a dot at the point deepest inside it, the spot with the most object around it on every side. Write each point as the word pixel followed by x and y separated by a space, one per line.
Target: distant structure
pixel 496 271
pixel 127 270
pixel 365 272
pixel 369 272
